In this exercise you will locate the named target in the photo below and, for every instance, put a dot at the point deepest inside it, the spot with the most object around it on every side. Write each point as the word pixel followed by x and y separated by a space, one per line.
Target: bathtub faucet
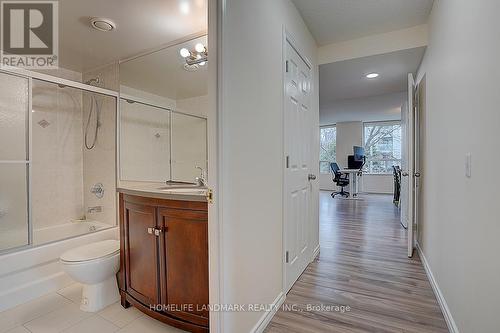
pixel 95 209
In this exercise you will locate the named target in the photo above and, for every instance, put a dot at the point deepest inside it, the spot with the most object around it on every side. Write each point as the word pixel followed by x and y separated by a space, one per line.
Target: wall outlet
pixel 468 166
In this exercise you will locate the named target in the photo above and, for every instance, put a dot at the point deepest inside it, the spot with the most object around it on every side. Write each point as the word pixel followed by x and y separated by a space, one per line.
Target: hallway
pixel 362 265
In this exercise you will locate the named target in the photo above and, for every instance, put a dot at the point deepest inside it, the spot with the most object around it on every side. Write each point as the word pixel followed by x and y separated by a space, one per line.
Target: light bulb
pixel 372 75
pixel 199 47
pixel 184 7
pixel 184 52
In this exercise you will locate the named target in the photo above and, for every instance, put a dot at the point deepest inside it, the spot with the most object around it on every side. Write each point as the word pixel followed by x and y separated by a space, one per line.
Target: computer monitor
pixel 359 153
pixel 353 164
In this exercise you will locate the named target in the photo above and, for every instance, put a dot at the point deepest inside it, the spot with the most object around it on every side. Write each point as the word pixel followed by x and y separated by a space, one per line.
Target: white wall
pixel 383 184
pixel 459 225
pixel 374 108
pixel 375 44
pixel 252 152
pixel 349 134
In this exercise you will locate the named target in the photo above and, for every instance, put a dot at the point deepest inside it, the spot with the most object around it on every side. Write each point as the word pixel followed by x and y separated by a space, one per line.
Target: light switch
pixel 468 162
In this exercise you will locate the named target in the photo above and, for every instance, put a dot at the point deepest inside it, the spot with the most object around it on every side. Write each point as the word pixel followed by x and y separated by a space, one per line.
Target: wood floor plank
pixel 362 265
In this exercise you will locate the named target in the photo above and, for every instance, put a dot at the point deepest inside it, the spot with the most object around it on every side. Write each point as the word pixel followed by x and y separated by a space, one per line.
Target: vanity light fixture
pixel 194 58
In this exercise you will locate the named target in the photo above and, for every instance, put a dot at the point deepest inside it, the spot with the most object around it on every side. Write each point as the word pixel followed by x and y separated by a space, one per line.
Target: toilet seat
pixel 91 252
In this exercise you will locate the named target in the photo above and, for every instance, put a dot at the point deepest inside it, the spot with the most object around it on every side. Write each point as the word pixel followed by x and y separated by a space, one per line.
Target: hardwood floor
pixel 362 265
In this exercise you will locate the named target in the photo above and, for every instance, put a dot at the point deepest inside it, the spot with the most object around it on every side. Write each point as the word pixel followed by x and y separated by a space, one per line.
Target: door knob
pixel 311 177
pixel 417 174
pixel 404 174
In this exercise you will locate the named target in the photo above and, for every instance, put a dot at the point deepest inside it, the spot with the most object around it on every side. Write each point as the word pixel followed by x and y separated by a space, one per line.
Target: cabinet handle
pixel 157 232
pixel 150 231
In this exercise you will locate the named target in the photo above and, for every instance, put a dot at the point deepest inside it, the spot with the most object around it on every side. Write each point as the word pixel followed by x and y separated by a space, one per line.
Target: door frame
pixel 216 19
pixel 413 138
pixel 288 37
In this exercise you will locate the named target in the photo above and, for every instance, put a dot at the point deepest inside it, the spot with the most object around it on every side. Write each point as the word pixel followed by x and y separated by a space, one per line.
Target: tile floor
pixel 60 312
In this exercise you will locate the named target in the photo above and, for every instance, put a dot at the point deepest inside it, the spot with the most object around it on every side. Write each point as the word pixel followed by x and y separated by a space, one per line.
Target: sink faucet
pixel 201 181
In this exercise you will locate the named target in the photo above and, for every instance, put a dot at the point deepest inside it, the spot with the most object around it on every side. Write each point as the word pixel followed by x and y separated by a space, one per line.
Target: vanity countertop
pixel 161 191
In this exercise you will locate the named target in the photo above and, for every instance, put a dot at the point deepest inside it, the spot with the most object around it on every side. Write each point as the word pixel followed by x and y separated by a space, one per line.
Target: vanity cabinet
pixel 164 259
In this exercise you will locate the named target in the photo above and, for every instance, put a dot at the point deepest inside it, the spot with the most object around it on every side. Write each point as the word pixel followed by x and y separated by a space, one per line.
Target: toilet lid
pixel 92 251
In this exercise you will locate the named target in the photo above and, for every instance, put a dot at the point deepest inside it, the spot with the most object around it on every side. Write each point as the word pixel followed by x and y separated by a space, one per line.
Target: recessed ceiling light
pixel 102 24
pixel 372 75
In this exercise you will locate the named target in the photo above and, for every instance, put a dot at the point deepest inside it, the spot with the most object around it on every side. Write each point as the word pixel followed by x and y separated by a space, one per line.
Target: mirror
pixel 163 125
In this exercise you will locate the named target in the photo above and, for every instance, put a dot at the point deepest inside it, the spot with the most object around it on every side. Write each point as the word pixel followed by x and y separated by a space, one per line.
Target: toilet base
pixel 96 297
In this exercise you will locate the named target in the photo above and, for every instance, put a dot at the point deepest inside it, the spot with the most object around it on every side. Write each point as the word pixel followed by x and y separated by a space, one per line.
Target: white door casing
pixel 297 213
pixel 403 200
pixel 410 172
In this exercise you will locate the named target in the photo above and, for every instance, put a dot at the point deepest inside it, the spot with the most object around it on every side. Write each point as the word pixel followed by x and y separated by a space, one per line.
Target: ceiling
pixel 332 21
pixel 141 25
pixel 162 73
pixel 346 79
pixel 344 89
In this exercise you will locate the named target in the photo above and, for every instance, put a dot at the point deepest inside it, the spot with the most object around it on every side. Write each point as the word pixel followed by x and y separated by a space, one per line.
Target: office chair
pixel 397 184
pixel 339 179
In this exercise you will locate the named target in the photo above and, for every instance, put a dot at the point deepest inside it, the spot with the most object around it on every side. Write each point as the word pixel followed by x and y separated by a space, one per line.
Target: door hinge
pixel 287 161
pixel 210 196
pixel 286 66
pixel 286 257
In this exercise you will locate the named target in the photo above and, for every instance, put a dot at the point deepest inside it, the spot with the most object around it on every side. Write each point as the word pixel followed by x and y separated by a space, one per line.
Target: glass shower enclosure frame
pixel 30 76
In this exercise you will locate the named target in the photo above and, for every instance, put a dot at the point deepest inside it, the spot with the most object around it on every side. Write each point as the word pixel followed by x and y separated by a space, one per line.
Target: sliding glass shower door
pixel 14 161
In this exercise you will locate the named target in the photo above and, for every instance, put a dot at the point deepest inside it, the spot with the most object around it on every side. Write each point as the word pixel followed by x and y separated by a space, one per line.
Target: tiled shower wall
pixel 99 164
pixel 57 167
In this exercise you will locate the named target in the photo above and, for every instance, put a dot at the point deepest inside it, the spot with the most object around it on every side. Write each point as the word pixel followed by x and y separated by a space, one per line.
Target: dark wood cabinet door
pixel 184 264
pixel 141 253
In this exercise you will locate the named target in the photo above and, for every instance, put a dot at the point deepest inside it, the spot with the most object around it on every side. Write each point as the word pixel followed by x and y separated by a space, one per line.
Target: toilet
pixel 95 266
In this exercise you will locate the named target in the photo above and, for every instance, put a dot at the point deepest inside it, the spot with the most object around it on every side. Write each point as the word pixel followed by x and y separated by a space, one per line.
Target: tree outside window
pixel 382 146
pixel 327 149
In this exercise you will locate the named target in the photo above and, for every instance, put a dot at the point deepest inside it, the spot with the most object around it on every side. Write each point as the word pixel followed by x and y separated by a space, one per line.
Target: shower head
pixel 95 81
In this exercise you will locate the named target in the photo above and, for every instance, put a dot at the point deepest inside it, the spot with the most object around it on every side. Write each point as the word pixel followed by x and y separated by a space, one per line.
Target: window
pixel 328 143
pixel 382 146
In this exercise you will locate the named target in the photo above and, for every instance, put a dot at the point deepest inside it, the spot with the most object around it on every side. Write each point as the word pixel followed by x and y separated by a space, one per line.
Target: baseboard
pixel 452 326
pixel 268 315
pixel 315 253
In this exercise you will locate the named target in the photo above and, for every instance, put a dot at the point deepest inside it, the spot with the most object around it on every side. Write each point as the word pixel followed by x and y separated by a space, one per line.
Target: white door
pixel 297 147
pixel 410 172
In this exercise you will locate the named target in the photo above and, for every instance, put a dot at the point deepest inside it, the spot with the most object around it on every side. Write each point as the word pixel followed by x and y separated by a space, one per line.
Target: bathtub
pixel 66 230
pixel 36 271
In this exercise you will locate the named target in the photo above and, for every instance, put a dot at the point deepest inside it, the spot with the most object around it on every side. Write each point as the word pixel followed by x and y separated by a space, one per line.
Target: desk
pixel 354 175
